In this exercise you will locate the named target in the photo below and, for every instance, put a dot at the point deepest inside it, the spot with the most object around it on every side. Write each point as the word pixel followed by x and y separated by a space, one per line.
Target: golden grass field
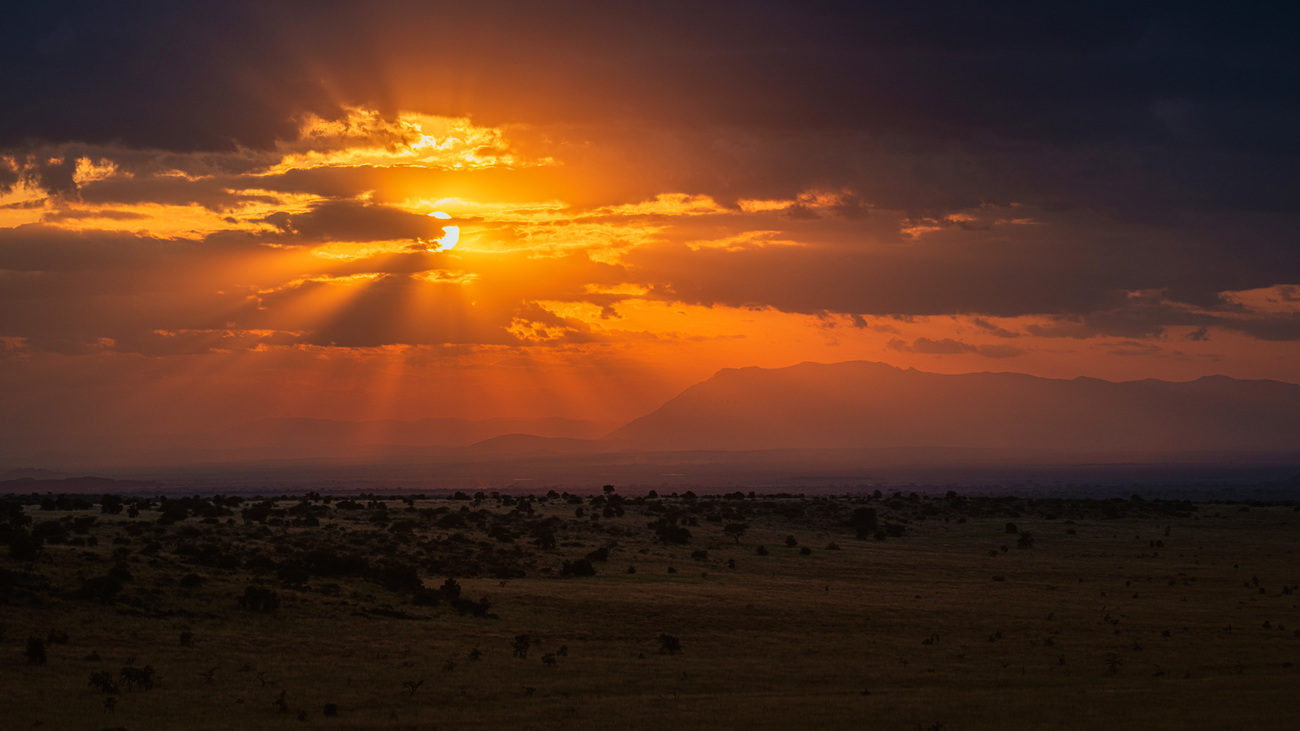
pixel 951 624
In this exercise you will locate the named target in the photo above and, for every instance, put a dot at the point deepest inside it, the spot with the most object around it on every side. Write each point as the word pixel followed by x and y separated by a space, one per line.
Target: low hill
pixel 863 404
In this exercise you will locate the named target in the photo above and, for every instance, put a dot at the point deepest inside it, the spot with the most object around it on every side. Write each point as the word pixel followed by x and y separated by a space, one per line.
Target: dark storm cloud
pixel 158 74
pixel 203 75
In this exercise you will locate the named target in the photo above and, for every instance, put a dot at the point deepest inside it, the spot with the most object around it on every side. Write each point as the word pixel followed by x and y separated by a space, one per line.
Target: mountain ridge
pixel 872 404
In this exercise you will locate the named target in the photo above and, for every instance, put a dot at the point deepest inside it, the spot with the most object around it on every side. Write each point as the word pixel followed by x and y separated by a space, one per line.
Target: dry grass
pixel 1094 629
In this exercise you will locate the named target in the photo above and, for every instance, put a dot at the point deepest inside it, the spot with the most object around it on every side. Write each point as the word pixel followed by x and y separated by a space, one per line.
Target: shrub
pixel 1011 529
pixel 669 645
pixel 1026 540
pixel 668 532
pixel 101 588
pixel 400 578
pixel 35 652
pixel 24 547
pixel 762 550
pixel 863 522
pixel 259 599
pixel 480 608
pixel 143 678
pixel 576 568
pixel 426 598
pixel 103 682
pixel 519 648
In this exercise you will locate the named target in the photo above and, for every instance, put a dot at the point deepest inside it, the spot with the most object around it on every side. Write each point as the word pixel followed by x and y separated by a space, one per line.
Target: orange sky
pixel 609 254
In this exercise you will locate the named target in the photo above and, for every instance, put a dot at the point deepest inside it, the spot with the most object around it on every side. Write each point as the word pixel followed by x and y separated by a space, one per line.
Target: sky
pixel 217 212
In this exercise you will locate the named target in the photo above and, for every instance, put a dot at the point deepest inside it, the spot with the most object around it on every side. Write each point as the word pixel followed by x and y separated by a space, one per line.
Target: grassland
pixel 889 611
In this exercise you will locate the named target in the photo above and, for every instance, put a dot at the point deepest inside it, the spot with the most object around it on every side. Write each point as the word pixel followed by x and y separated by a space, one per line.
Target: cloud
pixel 926 346
pixel 949 346
pixel 353 221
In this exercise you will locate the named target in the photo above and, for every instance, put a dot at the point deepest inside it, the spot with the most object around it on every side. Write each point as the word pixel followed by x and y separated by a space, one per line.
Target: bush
pixel 1011 529
pixel 400 578
pixel 480 608
pixel 669 645
pixel 426 598
pixel 863 522
pixel 103 682
pixel 519 648
pixel 35 652
pixel 24 546
pixel 100 588
pixel 576 568
pixel 259 599
pixel 668 532
pixel 143 678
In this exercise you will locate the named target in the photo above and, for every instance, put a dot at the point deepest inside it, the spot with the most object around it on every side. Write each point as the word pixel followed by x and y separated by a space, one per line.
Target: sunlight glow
pixel 451 234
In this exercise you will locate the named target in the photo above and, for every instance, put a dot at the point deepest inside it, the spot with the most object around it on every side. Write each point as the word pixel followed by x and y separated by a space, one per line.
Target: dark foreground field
pixel 893 611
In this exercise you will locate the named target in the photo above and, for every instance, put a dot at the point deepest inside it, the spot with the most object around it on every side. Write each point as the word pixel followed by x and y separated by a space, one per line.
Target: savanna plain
pixel 864 610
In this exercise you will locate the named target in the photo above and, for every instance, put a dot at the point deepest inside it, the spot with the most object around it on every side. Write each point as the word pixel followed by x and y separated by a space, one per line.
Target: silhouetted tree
pixel 735 530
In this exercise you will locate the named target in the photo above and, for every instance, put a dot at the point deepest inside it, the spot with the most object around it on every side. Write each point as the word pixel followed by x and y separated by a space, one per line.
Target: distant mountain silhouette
pixel 871 405
pixel 89 485
pixel 298 434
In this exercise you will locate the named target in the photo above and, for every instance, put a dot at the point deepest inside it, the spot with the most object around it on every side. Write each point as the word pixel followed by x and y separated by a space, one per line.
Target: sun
pixel 450 234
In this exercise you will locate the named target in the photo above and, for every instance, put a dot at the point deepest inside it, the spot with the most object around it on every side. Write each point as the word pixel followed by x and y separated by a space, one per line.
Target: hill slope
pixel 864 404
